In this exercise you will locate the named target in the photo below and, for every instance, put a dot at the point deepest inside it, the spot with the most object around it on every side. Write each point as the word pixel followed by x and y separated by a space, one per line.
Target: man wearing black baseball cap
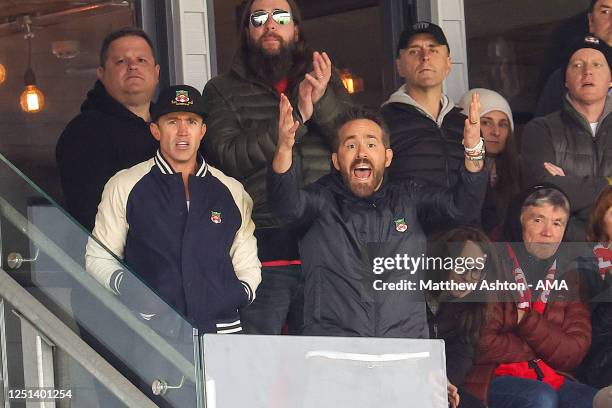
pixel 572 147
pixel 598 23
pixel 426 126
pixel 182 227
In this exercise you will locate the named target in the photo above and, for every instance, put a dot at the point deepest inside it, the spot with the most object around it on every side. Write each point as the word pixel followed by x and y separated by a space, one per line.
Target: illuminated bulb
pixel 2 74
pixel 32 99
pixel 349 85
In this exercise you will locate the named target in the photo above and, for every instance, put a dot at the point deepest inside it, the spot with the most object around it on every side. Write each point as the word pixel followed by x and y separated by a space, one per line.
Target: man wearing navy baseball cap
pixel 183 227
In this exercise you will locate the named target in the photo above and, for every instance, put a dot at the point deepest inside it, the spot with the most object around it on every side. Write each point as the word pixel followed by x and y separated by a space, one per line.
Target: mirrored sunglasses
pixel 259 17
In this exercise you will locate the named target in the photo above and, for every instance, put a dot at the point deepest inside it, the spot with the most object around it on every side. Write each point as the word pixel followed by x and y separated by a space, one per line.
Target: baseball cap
pixel 178 98
pixel 589 41
pixel 421 27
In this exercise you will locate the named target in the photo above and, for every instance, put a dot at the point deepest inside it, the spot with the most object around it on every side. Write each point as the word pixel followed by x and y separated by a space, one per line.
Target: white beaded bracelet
pixel 479 147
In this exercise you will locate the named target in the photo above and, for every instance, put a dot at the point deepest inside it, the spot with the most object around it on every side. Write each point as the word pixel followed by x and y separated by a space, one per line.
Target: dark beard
pixel 270 68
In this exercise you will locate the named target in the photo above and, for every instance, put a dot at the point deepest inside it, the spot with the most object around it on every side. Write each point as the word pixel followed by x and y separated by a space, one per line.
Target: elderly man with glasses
pixel 242 107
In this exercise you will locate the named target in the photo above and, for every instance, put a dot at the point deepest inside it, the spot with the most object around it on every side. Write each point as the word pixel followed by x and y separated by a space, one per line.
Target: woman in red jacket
pixel 529 345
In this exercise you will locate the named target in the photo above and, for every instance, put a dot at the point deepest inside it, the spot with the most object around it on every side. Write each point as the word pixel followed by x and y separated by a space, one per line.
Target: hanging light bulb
pixel 32 99
pixel 2 74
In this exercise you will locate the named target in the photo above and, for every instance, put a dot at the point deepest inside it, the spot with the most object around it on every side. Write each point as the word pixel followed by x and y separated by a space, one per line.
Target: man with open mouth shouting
pixel 354 215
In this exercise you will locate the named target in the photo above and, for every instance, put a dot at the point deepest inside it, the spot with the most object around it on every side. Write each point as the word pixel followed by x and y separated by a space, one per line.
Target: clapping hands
pixel 313 86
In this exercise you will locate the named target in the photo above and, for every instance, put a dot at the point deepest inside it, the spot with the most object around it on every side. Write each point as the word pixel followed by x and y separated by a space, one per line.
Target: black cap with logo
pixel 421 27
pixel 589 41
pixel 178 98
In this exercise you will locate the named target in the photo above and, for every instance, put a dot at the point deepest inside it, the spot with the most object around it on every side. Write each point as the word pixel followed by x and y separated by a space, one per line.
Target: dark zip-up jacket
pixel 201 259
pixel 345 234
pixel 425 149
pixel 564 138
pixel 241 136
pixel 101 140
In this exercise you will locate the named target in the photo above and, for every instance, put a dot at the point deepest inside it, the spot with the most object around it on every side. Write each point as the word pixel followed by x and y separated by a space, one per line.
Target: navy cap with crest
pixel 589 41
pixel 178 98
pixel 418 28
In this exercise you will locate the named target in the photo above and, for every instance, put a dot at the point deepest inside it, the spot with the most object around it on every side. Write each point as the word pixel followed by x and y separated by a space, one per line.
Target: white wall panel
pixel 450 15
pixel 190 26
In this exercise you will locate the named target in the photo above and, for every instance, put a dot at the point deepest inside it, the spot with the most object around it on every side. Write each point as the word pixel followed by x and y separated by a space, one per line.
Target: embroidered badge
pixel 182 99
pixel 215 217
pixel 400 225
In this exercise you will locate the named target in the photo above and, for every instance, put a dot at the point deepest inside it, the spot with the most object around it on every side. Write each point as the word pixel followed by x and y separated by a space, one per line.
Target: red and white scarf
pixel 603 253
pixel 524 301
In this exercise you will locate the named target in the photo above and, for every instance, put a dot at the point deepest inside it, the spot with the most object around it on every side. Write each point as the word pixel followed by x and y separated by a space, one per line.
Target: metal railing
pixel 62 336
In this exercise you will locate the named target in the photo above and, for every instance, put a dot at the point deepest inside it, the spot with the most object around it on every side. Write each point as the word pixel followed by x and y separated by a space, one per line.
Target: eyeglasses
pixel 260 17
pixel 472 274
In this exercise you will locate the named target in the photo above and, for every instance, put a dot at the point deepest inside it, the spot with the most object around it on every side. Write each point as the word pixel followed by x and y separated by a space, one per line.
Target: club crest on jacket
pixel 400 225
pixel 215 216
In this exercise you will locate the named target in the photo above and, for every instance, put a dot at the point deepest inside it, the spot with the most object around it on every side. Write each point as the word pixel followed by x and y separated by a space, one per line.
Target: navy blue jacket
pixel 202 260
pixel 344 234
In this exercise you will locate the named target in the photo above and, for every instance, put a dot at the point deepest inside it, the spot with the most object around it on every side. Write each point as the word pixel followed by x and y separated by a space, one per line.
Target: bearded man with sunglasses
pixel 242 108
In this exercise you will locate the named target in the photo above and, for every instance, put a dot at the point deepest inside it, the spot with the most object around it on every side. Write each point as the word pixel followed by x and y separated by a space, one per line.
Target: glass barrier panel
pixel 142 336
pixel 323 372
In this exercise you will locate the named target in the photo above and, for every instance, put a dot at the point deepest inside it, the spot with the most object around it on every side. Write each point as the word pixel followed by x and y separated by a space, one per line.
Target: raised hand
pixel 471 129
pixel 286 136
pixel 474 146
pixel 313 86
pixel 320 76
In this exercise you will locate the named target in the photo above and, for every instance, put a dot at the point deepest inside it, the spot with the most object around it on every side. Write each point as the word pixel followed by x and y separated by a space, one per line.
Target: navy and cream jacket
pixel 201 257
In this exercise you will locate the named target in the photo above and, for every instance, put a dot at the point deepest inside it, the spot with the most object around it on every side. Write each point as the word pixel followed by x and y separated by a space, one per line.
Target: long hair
pixel 507 167
pixel 445 245
pixel 595 230
pixel 301 54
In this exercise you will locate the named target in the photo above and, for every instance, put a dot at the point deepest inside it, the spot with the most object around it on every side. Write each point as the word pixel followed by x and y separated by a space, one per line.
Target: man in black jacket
pixel 426 126
pixel 353 218
pixel 572 147
pixel 595 20
pixel 111 133
pixel 242 111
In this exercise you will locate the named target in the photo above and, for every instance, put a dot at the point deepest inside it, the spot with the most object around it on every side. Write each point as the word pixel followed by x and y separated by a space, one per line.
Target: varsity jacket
pixel 200 257
pixel 347 236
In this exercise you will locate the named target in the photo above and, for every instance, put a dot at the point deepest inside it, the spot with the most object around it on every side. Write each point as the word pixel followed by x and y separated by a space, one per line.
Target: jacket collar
pixel 401 96
pixel 568 106
pixel 165 168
